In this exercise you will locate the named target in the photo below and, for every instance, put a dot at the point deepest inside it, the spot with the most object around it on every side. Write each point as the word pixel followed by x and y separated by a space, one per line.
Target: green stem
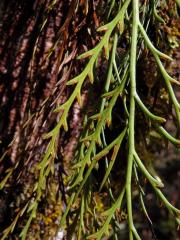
pixel 150 45
pixel 106 88
pixel 132 114
pixel 168 136
pixel 147 112
pixel 141 166
pixel 63 219
pixel 168 205
pixel 109 75
pixel 168 79
pixel 170 89
pixel 155 184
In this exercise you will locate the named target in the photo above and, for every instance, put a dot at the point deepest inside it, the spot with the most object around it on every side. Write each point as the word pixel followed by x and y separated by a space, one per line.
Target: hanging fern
pixel 89 194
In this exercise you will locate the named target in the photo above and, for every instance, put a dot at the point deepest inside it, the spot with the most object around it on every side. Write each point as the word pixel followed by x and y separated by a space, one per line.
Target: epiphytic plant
pixel 89 156
pixel 128 22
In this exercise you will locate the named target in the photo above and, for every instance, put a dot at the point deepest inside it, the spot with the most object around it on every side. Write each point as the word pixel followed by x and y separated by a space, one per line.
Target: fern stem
pixel 132 114
pixel 147 112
